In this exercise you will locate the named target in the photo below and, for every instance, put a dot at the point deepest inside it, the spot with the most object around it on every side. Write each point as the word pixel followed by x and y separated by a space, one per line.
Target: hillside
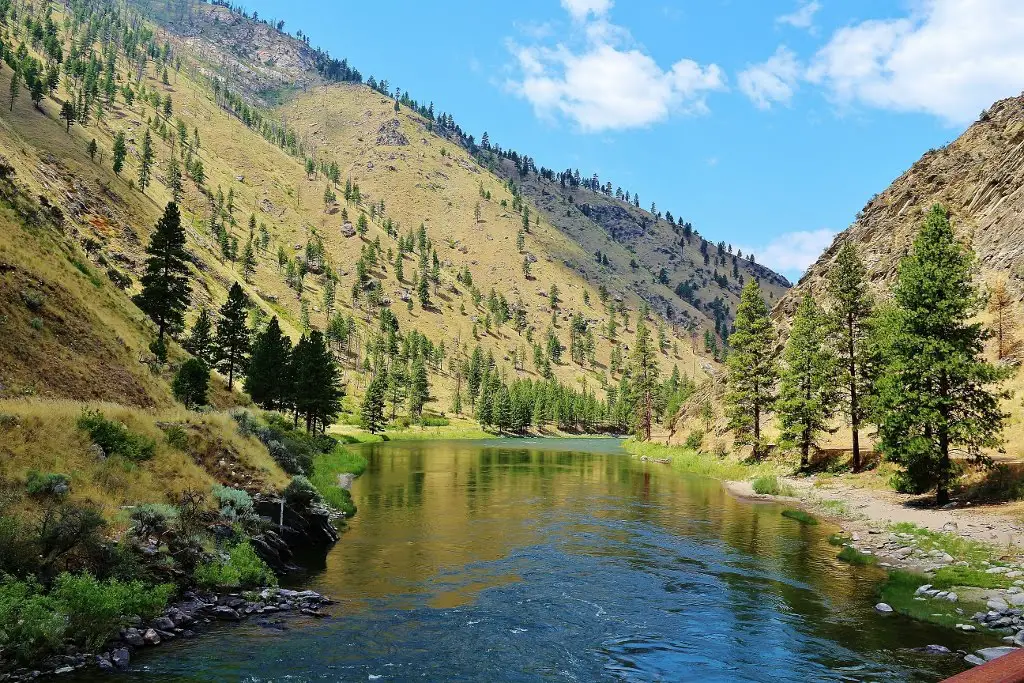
pixel 978 176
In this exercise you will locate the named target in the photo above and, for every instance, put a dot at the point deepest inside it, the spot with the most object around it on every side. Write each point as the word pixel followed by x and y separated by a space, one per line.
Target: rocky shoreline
pixel 195 611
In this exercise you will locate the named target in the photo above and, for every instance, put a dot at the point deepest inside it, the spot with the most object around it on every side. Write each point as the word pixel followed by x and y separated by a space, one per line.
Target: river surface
pixel 567 560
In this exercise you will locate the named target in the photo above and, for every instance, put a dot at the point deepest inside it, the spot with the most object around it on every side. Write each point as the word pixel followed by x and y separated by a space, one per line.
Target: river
pixel 567 560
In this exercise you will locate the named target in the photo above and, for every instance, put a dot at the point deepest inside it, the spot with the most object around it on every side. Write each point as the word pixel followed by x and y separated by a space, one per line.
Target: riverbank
pixel 969 559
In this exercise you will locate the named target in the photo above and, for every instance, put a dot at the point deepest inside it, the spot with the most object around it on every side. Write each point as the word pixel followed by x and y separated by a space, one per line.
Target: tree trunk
pixel 942 489
pixel 854 407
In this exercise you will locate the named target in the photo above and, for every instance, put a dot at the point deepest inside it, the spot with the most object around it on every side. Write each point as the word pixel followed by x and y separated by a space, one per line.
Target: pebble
pixel 883 607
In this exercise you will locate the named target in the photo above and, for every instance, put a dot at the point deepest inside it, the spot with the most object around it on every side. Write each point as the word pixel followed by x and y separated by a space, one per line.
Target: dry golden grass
pixel 38 434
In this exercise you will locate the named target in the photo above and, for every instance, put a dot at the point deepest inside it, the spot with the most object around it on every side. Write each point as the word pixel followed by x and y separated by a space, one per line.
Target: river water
pixel 568 560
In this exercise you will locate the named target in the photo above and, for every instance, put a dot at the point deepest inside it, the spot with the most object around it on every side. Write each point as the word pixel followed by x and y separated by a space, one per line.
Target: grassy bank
pixel 706 464
pixel 327 468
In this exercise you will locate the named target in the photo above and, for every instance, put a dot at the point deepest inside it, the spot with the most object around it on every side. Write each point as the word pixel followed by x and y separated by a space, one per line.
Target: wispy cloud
pixel 802 17
pixel 771 81
pixel 792 253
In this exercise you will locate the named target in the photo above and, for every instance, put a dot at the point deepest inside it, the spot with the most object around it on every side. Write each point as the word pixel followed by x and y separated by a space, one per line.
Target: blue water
pixel 543 560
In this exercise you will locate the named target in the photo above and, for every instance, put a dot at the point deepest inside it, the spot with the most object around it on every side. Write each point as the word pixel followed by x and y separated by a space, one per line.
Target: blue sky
pixel 766 123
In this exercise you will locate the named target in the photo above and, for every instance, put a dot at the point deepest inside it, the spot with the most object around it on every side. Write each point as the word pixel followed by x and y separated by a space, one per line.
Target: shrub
pixel 236 500
pixel 176 436
pixel 96 610
pixel 770 485
pixel 47 484
pixel 191 383
pixel 301 493
pixel 431 421
pixel 30 625
pixel 152 519
pixel 114 438
pixel 694 440
pixel 243 568
pixel 33 299
pixel 20 556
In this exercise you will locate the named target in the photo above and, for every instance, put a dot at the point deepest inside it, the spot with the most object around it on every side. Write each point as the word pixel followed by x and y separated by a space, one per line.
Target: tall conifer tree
pixel 753 370
pixel 233 336
pixel 165 286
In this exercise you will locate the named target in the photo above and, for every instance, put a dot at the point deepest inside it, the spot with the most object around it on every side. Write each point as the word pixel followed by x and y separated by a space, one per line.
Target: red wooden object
pixel 1007 669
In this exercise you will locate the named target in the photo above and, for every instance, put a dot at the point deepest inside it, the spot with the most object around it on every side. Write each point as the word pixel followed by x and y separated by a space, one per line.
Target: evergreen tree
pixel 851 314
pixel 67 112
pixel 397 380
pixel 191 383
pixel 752 369
pixel 92 148
pixel 935 392
pixel 266 378
pixel 419 388
pixel 174 178
pixel 233 336
pixel 316 391
pixel 165 286
pixel 200 340
pixel 372 410
pixel 643 381
pixel 146 156
pixel 15 87
pixel 120 152
pixel 248 261
pixel 423 290
pixel 807 388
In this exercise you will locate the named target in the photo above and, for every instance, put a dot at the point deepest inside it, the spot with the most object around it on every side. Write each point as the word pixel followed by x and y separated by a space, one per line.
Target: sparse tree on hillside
pixel 200 340
pixel 165 286
pixel 936 393
pixel 419 388
pixel 233 334
pixel 248 261
pixel 752 369
pixel 316 394
pixel 146 156
pixel 851 315
pixel 15 87
pixel 371 412
pixel 92 148
pixel 67 112
pixel 807 390
pixel 1004 321
pixel 643 381
pixel 120 152
pixel 191 383
pixel 174 178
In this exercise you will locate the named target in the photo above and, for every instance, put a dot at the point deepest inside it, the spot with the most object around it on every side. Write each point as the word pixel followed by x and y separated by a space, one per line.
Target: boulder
pixel 151 637
pixel 990 653
pixel 120 658
pixel 133 637
pixel 225 613
pixel 883 608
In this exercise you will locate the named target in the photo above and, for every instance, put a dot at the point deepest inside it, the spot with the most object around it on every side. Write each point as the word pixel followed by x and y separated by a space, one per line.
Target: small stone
pixel 64 670
pixel 883 607
pixel 922 589
pixel 997 570
pixel 1017 600
pixel 103 663
pixel 1013 590
pixel 952 597
pixel 935 649
pixel 997 605
pixel 968 628
pixel 151 637
pixel 974 660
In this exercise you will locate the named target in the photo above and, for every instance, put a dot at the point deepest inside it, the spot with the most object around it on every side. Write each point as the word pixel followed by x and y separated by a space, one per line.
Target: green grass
pixel 947 577
pixel 327 468
pixel 839 539
pixel 958 547
pixel 898 591
pixel 707 464
pixel 800 516
pixel 769 485
pixel 834 508
pixel 851 555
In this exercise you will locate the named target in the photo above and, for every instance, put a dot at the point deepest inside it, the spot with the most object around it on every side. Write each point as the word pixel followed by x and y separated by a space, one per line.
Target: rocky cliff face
pixel 979 177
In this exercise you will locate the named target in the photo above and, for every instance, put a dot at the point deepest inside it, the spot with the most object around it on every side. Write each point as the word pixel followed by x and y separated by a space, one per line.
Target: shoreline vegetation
pixel 950 575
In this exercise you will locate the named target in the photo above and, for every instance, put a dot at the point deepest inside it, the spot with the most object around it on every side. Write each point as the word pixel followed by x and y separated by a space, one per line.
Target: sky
pixel 765 123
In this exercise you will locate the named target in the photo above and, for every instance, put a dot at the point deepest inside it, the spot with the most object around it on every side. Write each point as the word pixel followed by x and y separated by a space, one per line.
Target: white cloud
pixel 605 82
pixel 802 17
pixel 580 9
pixel 771 81
pixel 792 253
pixel 949 58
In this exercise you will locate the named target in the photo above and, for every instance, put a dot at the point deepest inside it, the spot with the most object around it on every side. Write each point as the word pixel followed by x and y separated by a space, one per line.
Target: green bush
pixel 242 569
pixel 115 438
pixel 694 440
pixel 432 421
pixel 176 436
pixel 771 486
pixel 236 500
pixel 30 625
pixel 47 484
pixel 301 493
pixel 191 383
pixel 96 610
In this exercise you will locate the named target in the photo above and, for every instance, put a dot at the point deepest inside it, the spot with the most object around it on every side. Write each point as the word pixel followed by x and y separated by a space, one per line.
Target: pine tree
pixel 174 178
pixel 268 368
pixel 419 388
pixel 807 388
pixel 191 383
pixel 120 152
pixel 165 286
pixel 145 161
pixel 92 148
pixel 233 337
pixel 67 112
pixel 15 87
pixel 851 315
pixel 936 392
pixel 397 381
pixel 423 290
pixel 316 391
pixel 248 261
pixel 1004 321
pixel 200 340
pixel 752 369
pixel 372 410
pixel 643 381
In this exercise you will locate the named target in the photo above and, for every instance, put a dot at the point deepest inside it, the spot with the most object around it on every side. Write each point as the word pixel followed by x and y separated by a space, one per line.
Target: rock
pixel 934 649
pixel 120 658
pixel 163 624
pixel 903 552
pixel 1017 600
pixel 96 451
pixel 974 660
pixel 133 637
pixel 967 628
pixel 104 663
pixel 1018 639
pixel 151 637
pixel 64 670
pixel 1013 590
pixel 990 653
pixel 922 589
pixel 390 134
pixel 883 607
pixel 997 570
pixel 952 597
pixel 225 613
pixel 997 605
